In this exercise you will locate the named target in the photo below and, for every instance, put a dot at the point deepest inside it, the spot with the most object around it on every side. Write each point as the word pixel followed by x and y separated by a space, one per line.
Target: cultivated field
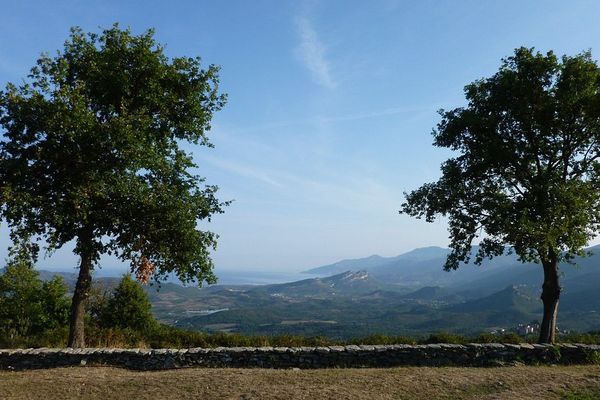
pixel 544 382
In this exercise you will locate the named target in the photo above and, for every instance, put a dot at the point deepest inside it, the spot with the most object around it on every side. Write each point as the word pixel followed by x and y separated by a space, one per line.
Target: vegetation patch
pixel 590 394
pixel 594 357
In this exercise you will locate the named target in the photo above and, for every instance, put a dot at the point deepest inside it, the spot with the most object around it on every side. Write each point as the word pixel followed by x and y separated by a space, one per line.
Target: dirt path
pixel 546 382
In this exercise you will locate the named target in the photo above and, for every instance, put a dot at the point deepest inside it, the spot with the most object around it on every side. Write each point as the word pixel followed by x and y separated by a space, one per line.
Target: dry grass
pixel 544 382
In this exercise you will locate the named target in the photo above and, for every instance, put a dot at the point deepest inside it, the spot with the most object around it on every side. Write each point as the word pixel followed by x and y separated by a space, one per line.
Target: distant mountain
pixel 511 298
pixel 582 300
pixel 583 275
pixel 347 283
pixel 424 267
pixel 70 278
pixel 376 261
pixel 434 293
pixel 424 254
pixel 349 265
pixel 430 272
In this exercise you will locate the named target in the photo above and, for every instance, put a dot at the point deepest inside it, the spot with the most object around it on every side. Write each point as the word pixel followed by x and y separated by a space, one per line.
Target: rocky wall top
pixel 474 354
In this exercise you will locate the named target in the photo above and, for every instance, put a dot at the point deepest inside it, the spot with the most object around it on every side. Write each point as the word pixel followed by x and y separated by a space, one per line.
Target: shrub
pixel 30 308
pixel 504 338
pixel 383 340
pixel 445 337
pixel 127 308
pixel 585 338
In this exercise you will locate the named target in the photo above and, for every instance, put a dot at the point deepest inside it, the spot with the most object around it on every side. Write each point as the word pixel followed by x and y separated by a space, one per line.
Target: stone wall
pixel 492 354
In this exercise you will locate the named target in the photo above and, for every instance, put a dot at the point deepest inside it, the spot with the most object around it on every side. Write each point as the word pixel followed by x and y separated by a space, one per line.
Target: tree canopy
pixel 128 307
pixel 526 170
pixel 91 153
pixel 28 306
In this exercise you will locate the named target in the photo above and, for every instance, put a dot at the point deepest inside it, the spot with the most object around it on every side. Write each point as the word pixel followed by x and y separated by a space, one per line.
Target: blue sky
pixel 331 105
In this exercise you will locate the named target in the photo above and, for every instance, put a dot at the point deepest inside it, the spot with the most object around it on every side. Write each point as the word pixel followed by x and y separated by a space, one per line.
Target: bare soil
pixel 543 382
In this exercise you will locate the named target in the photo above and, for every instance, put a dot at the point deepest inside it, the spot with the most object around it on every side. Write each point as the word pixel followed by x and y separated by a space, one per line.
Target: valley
pixel 407 295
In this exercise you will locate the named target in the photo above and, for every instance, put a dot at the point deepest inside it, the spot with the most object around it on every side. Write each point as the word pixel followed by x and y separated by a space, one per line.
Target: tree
pixel 128 307
pixel 91 153
pixel 526 170
pixel 55 303
pixel 29 306
pixel 20 307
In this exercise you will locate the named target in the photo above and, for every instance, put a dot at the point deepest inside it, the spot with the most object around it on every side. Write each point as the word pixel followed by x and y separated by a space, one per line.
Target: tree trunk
pixel 550 295
pixel 82 291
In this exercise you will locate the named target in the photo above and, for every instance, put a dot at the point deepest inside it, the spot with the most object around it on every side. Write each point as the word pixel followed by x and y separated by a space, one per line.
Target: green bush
pixel 593 357
pixel 127 308
pixel 29 308
pixel 585 338
pixel 504 338
pixel 590 394
pixel 445 337
pixel 383 340
pixel 165 336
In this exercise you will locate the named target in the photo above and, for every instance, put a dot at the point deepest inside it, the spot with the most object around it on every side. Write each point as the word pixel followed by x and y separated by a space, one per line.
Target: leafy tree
pixel 128 307
pixel 28 306
pixel 91 154
pixel 526 170
pixel 20 308
pixel 55 303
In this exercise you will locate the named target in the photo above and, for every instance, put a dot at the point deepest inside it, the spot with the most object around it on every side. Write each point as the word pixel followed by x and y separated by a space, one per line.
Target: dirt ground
pixel 544 382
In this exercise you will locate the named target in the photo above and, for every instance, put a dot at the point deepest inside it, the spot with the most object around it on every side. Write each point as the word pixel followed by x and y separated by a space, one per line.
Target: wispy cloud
pixel 241 170
pixel 311 52
pixel 414 112
pixel 360 195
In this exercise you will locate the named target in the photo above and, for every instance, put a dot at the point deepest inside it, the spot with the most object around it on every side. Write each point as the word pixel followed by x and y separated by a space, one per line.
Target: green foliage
pixel 383 340
pixel 585 338
pixel 593 356
pixel 511 338
pixel 527 169
pixel 591 394
pixel 555 353
pixel 28 307
pixel 55 304
pixel 445 337
pixel 128 308
pixel 20 306
pixel 165 336
pixel 91 153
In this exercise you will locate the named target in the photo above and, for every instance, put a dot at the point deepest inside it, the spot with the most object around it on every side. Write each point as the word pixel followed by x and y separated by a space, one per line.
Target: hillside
pixel 419 267
pixel 405 295
pixel 424 267
pixel 434 293
pixel 376 262
pixel 512 297
pixel 344 284
pixel 501 294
